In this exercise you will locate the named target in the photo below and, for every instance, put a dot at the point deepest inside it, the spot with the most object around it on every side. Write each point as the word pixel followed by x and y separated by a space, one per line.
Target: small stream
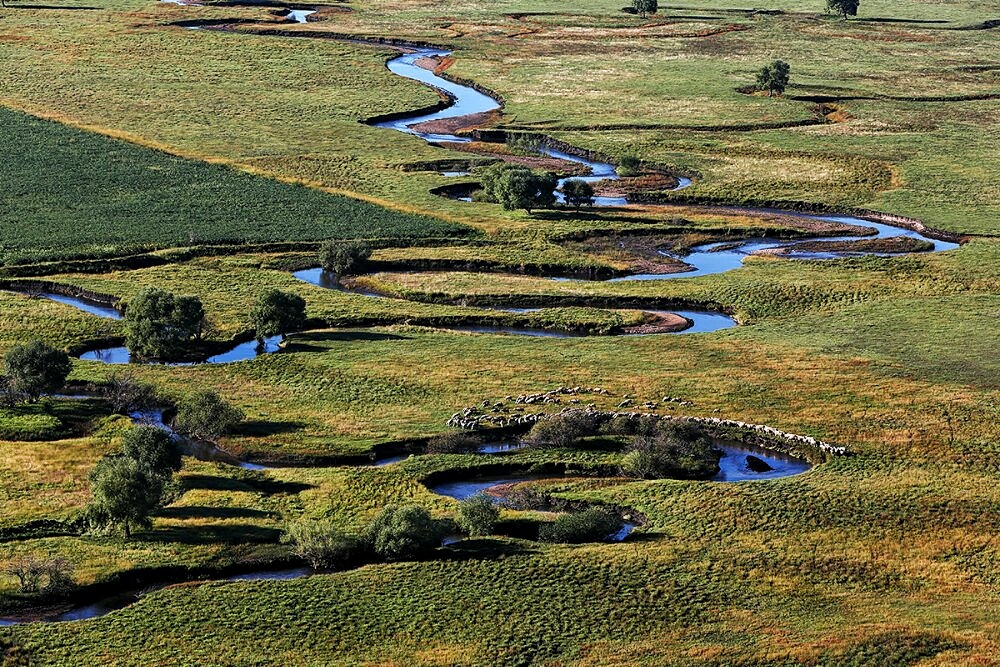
pixel 703 321
pixel 705 260
pixel 239 352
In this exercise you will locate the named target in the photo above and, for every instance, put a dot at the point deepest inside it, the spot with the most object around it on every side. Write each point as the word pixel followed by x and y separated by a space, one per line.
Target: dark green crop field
pixel 66 193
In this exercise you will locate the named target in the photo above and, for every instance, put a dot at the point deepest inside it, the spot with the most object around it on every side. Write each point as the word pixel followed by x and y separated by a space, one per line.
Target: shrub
pixel 478 515
pixel 35 368
pixel 343 257
pixel 590 525
pixel 403 531
pixel 629 165
pixel 562 430
pixel 159 324
pixel 127 394
pixel 322 544
pixel 673 450
pixel 36 575
pixel 206 415
pixel 455 442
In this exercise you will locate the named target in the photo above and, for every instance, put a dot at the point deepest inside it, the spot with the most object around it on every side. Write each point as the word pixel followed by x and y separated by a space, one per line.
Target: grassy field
pixel 209 145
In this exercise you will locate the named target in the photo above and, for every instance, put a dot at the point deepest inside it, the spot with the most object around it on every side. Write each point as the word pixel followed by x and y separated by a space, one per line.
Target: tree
pixel 343 257
pixel 514 186
pixel 123 493
pixel 278 312
pixel 206 415
pixel 478 515
pixel 322 544
pixel 403 531
pixel 578 192
pixel 522 188
pixel 35 368
pixel 159 324
pixel 645 7
pixel 843 7
pixel 774 77
pixel 154 450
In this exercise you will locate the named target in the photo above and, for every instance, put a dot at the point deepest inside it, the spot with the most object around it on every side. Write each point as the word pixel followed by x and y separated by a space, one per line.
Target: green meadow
pixel 137 153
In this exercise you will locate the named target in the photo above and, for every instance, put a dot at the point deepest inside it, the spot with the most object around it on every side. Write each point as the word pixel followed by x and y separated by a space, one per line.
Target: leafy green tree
pixel 35 368
pixel 278 312
pixel 123 493
pixel 843 7
pixel 342 257
pixel 527 190
pixel 478 515
pixel 153 449
pixel 322 544
pixel 515 186
pixel 159 324
pixel 403 531
pixel 206 415
pixel 578 192
pixel 645 7
pixel 774 77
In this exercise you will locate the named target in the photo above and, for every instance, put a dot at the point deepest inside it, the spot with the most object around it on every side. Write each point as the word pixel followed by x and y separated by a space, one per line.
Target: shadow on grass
pixel 266 428
pixel 266 486
pixel 205 512
pixel 481 549
pixel 212 534
pixel 14 5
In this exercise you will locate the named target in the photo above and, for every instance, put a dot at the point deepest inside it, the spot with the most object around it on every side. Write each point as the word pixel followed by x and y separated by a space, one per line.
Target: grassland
pixel 886 557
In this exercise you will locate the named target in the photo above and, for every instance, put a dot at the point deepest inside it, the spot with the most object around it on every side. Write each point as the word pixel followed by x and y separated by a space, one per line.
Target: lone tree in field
pixel 843 7
pixel 159 324
pixel 123 493
pixel 645 7
pixel 35 368
pixel 578 192
pixel 515 186
pixel 343 257
pixel 154 450
pixel 774 77
pixel 278 312
pixel 206 415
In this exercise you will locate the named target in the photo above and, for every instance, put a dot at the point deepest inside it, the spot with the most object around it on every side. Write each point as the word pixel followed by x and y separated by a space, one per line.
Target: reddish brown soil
pixel 662 324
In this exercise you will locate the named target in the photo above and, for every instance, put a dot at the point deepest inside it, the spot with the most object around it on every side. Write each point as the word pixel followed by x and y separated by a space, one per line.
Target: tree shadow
pixel 213 483
pixel 15 5
pixel 206 512
pixel 481 549
pixel 266 428
pixel 262 484
pixel 212 534
pixel 343 337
